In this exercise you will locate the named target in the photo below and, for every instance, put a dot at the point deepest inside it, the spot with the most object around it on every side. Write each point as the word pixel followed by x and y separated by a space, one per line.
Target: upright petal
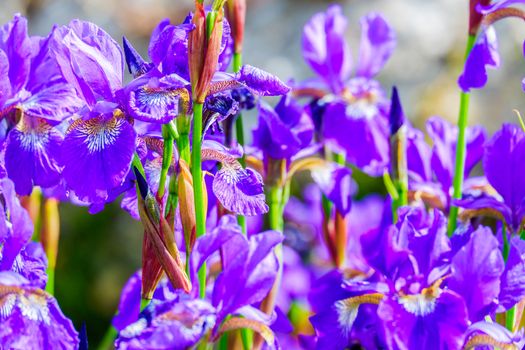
pixel 503 162
pixel 325 48
pixel 18 48
pixel 364 140
pixel 378 41
pixel 97 152
pixel 31 155
pixel 89 59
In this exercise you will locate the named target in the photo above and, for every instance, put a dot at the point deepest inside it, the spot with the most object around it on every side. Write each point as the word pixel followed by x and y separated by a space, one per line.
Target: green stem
pixel 460 147
pixel 509 318
pixel 275 213
pixel 239 133
pixel 505 243
pixel 196 172
pixel 247 338
pixel 167 156
pixel 109 339
pixel 50 285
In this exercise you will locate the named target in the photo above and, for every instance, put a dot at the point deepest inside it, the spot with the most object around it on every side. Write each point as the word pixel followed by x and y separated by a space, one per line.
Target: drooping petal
pixel 97 152
pixel 31 318
pixel 475 272
pixel 483 55
pixel 238 189
pixel 325 48
pixel 378 41
pixel 413 322
pixel 176 325
pixel 31 155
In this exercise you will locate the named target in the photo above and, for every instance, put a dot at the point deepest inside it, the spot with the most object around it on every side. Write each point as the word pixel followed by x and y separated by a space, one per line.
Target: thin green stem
pixel 50 285
pixel 237 61
pixel 505 243
pixel 239 133
pixel 109 338
pixel 509 318
pixel 167 156
pixel 247 338
pixel 196 172
pixel 460 147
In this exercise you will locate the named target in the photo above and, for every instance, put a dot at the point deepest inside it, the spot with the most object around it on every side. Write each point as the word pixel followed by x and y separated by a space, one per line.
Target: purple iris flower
pixel 431 170
pixel 502 165
pixel 354 109
pixel 99 145
pixel 161 89
pixel 187 319
pixel 31 318
pixel 282 132
pixel 35 98
pixel 422 294
pixel 484 53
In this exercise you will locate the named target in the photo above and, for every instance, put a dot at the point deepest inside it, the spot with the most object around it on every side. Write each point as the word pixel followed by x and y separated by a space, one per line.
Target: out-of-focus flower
pixel 484 53
pixel 502 165
pixel 354 110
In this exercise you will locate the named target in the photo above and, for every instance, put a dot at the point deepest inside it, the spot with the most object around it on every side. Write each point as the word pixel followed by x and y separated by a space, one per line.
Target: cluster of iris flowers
pixel 232 257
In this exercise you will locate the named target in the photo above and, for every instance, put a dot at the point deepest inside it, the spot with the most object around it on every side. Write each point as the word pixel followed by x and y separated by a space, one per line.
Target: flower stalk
pixel 49 237
pixel 461 147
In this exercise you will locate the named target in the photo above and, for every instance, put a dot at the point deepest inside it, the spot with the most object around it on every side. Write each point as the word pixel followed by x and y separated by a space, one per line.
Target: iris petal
pixel 31 154
pixel 97 153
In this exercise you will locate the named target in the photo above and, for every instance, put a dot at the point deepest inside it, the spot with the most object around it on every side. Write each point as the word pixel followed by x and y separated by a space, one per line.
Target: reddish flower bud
pixel 475 17
pixel 204 45
pixel 236 14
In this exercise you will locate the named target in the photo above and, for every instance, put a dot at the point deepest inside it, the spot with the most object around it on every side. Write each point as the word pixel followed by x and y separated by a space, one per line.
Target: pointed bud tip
pixel 141 182
pixel 397 116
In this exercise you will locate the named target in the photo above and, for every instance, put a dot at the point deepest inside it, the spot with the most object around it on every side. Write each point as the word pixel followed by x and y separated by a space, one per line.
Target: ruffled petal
pixel 262 82
pixel 378 42
pixel 430 324
pixel 152 98
pixel 325 48
pixel 239 190
pixel 483 55
pixel 32 150
pixel 97 153
pixel 31 318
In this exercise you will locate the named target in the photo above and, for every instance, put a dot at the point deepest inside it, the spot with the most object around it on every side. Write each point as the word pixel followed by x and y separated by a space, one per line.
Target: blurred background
pixel 98 253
